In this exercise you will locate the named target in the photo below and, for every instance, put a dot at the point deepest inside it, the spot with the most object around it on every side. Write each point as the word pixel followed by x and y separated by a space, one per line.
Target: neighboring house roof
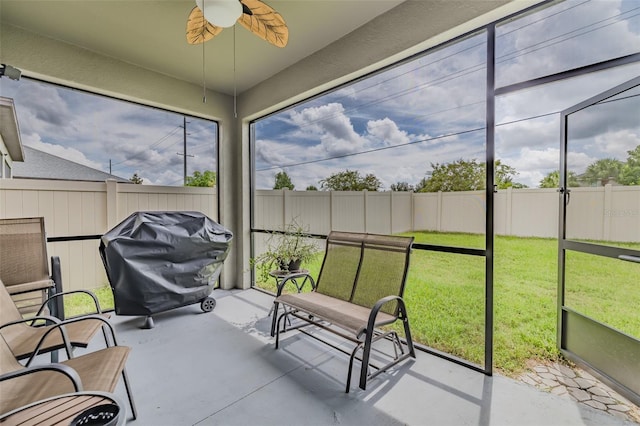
pixel 40 165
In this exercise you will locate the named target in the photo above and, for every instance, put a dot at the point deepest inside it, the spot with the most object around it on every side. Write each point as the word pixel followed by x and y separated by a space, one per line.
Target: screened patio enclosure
pixel 506 96
pixel 240 82
pixel 586 332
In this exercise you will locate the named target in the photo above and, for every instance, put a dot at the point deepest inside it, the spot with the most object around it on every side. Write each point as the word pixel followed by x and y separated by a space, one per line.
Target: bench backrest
pixel 363 268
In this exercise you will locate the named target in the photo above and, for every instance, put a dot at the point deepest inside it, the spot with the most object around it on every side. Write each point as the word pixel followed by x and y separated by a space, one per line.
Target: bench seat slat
pixel 348 316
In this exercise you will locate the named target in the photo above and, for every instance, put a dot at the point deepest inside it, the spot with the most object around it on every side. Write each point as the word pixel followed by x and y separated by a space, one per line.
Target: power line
pixel 471 69
pixel 457 133
pixel 352 154
pixel 153 145
pixel 546 43
pixel 542 18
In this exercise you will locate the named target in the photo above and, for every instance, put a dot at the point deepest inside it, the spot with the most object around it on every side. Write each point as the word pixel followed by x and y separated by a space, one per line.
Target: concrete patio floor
pixel 221 368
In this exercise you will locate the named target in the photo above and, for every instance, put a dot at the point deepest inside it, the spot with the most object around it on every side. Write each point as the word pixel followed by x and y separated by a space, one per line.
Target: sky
pixel 97 131
pixel 432 109
pixel 394 124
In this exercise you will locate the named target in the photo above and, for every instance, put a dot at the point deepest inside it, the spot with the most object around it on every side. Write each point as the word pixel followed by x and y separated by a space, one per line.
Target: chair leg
pixel 275 316
pixel 407 331
pixel 134 412
pixel 366 351
pixel 278 329
pixel 353 356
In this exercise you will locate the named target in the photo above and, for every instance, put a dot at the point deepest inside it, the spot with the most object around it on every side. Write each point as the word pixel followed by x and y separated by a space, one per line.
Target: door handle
pixel 629 258
pixel 568 192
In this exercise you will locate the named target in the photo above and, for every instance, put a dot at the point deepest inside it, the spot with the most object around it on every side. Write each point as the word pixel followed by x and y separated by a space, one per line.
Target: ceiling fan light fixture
pixel 221 13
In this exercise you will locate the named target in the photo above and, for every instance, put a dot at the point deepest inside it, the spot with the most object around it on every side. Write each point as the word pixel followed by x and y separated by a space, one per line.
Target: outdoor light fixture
pixel 11 72
pixel 221 13
pixel 209 17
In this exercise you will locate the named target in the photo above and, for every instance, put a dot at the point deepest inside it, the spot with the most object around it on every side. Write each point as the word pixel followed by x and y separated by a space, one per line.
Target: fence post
pixel 365 195
pixel 412 205
pixel 330 210
pixel 439 212
pixel 391 212
pixel 285 210
pixel 607 213
pixel 509 211
pixel 112 203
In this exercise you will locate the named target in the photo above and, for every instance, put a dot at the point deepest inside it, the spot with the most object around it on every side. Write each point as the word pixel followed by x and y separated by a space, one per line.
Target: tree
pixel 461 175
pixel 136 179
pixel 466 175
pixel 552 180
pixel 312 188
pixel 283 181
pixel 350 180
pixel 603 171
pixel 401 186
pixel 630 172
pixel 504 175
pixel 206 179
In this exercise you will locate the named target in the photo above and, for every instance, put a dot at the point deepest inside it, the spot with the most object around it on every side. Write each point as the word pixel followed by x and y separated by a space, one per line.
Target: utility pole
pixel 184 152
pixel 184 131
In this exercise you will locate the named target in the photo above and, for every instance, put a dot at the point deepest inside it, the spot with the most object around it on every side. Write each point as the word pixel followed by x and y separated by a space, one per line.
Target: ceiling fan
pixel 209 17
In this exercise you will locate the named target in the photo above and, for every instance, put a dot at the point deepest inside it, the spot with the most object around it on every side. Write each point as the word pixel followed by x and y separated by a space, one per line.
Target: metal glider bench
pixel 359 290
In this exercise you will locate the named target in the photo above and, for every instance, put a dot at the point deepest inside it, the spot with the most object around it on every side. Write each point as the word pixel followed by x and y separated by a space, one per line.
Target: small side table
pixel 283 277
pixel 61 409
pixel 297 277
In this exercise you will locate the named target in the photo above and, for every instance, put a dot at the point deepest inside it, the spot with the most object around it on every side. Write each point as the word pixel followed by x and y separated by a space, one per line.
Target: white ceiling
pixel 151 34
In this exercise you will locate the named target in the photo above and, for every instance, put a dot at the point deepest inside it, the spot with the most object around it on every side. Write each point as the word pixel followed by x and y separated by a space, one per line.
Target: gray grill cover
pixel 156 261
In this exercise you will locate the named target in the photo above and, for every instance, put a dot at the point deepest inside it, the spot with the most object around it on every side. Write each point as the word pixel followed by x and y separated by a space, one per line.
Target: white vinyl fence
pixel 73 209
pixel 609 213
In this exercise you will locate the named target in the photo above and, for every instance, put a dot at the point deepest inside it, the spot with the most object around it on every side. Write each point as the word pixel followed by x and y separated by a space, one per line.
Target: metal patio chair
pixel 24 335
pixel 95 371
pixel 23 262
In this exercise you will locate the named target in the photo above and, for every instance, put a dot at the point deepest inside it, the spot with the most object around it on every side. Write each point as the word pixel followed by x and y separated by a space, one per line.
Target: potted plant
pixel 285 251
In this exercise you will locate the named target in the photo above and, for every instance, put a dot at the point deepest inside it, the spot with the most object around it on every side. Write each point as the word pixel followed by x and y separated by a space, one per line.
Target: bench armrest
pixel 60 368
pixel 371 323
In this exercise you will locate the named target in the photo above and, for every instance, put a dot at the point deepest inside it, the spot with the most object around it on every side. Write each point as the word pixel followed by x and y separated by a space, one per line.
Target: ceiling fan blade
pixel 264 22
pixel 199 29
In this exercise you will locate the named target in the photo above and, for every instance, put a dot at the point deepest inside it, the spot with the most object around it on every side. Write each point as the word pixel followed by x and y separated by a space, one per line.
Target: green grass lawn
pixel 445 297
pixel 78 304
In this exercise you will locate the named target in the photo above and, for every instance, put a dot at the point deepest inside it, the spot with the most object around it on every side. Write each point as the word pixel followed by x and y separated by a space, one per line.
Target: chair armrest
pixel 31 320
pixel 30 287
pixel 96 303
pixel 60 368
pixel 60 327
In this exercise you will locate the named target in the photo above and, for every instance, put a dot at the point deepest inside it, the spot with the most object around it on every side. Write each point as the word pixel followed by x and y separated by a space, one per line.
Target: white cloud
pixel 617 144
pixel 386 132
pixel 331 126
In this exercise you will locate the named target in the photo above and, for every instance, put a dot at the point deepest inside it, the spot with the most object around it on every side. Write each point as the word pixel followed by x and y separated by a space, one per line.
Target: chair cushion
pixel 348 316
